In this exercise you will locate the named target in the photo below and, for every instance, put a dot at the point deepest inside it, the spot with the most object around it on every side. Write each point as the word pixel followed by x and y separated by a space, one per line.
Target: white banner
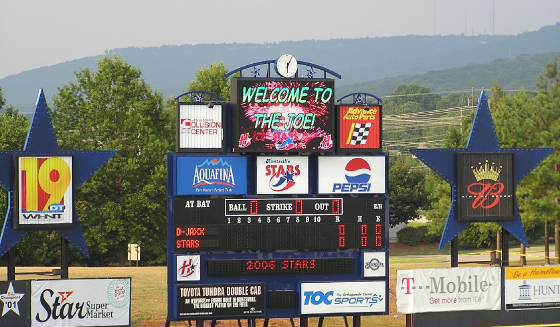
pixel 364 174
pixel 532 287
pixel 282 175
pixel 451 289
pixel 200 126
pixel 344 297
pixel 80 302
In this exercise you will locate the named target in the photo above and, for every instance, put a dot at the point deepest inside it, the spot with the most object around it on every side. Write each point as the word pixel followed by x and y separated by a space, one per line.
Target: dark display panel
pixel 281 266
pixel 220 224
pixel 485 188
pixel 283 115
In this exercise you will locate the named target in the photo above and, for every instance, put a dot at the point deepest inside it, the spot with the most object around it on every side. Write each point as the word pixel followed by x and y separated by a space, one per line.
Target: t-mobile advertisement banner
pixel 532 287
pixel 80 302
pixel 345 297
pixel 452 289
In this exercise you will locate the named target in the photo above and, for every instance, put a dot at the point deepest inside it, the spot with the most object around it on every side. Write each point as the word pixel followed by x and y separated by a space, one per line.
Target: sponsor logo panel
pixel 345 297
pixel 282 175
pixel 532 287
pixel 359 127
pixel 198 175
pixel 220 300
pixel 347 174
pixel 453 289
pixel 374 264
pixel 188 268
pixel 200 126
pixel 15 307
pixel 485 186
pixel 44 190
pixel 80 302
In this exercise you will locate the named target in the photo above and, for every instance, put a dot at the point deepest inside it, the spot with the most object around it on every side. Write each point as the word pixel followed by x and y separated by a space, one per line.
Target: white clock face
pixel 286 65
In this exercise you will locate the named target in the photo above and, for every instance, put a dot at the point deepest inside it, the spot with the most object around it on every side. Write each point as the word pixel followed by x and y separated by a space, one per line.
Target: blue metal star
pixel 256 72
pixel 310 72
pixel 197 98
pixel 41 141
pixel 482 138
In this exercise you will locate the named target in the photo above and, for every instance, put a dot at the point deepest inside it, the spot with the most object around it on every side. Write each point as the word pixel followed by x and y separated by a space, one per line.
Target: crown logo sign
pixel 486 171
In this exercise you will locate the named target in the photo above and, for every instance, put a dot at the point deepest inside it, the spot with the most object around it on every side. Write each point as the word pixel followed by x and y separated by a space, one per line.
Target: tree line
pixel 125 201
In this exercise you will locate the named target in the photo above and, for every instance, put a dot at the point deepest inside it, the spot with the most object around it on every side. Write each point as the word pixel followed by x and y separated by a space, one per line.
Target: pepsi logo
pixel 357 171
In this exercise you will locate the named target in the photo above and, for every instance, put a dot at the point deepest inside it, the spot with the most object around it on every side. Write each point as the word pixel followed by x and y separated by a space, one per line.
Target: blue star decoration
pixel 41 141
pixel 482 139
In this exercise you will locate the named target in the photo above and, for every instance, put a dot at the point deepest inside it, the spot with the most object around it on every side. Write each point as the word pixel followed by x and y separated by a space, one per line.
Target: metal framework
pixel 256 69
pixel 200 96
pixel 360 98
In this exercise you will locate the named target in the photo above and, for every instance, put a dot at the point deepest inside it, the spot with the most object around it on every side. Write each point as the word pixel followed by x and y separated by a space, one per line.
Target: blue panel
pixel 206 175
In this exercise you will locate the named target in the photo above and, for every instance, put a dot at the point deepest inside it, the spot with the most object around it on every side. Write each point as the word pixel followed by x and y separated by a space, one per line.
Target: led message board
pixel 226 224
pixel 200 128
pixel 485 190
pixel 359 128
pixel 283 115
pixel 44 192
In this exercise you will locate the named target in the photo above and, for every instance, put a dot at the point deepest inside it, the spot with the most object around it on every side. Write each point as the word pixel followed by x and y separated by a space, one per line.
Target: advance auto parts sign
pixel 345 297
pixel 532 287
pixel 359 127
pixel 283 115
pixel 220 300
pixel 80 302
pixel 452 289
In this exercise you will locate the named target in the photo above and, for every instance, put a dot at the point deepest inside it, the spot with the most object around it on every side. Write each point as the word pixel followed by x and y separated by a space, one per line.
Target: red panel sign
pixel 359 127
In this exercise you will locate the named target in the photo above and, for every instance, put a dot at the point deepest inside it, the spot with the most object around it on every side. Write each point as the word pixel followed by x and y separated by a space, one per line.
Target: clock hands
pixel 288 66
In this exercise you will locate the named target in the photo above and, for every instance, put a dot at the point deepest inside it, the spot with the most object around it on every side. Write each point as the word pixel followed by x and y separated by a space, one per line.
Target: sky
pixel 36 33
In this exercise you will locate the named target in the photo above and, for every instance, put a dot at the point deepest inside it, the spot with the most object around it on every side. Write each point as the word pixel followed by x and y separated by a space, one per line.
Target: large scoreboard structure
pixel 283 222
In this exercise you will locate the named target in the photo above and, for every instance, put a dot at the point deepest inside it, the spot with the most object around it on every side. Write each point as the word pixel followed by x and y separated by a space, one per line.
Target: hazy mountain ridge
pixel 169 68
pixel 511 74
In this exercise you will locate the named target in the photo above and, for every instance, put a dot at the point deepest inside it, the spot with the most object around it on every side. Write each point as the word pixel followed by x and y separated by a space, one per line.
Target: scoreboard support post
pixel 63 258
pixel 11 268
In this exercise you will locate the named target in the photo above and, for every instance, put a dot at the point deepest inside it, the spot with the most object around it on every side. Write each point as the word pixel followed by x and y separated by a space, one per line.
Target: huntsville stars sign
pixel 482 177
pixel 41 181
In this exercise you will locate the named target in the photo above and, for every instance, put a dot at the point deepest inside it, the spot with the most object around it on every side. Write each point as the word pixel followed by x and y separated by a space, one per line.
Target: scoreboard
pixel 269 224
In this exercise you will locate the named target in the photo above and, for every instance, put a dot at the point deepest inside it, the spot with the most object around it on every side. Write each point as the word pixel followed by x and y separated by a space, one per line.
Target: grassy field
pixel 149 284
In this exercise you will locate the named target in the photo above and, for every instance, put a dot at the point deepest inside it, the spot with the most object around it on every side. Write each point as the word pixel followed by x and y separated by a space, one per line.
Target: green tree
pixel 125 201
pixel 406 187
pixel 212 79
pixel 411 98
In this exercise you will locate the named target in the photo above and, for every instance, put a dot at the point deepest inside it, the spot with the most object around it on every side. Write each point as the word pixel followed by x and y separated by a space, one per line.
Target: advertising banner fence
pixel 452 289
pixel 80 302
pixel 532 287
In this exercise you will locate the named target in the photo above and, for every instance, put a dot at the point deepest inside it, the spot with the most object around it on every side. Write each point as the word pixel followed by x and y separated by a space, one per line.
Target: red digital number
pixel 298 207
pixel 378 229
pixel 253 207
pixel 341 242
pixel 378 241
pixel 363 241
pixel 363 229
pixel 341 230
pixel 335 206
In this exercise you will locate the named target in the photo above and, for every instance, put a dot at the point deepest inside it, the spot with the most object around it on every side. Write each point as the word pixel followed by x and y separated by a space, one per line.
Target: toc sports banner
pixel 451 289
pixel 345 297
pixel 80 302
pixel 532 288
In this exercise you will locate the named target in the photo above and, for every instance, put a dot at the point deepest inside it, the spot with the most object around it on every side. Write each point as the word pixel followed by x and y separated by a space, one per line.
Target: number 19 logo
pixel 45 190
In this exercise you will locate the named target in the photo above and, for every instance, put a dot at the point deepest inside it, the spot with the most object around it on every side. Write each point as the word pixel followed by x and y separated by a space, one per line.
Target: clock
pixel 286 65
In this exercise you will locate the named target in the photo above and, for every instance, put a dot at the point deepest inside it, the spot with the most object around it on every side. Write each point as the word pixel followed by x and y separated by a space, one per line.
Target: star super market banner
pixel 348 174
pixel 451 289
pixel 80 302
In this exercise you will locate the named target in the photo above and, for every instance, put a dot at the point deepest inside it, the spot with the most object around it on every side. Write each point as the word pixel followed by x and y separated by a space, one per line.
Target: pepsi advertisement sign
pixel 282 175
pixel 346 174
pixel 205 175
